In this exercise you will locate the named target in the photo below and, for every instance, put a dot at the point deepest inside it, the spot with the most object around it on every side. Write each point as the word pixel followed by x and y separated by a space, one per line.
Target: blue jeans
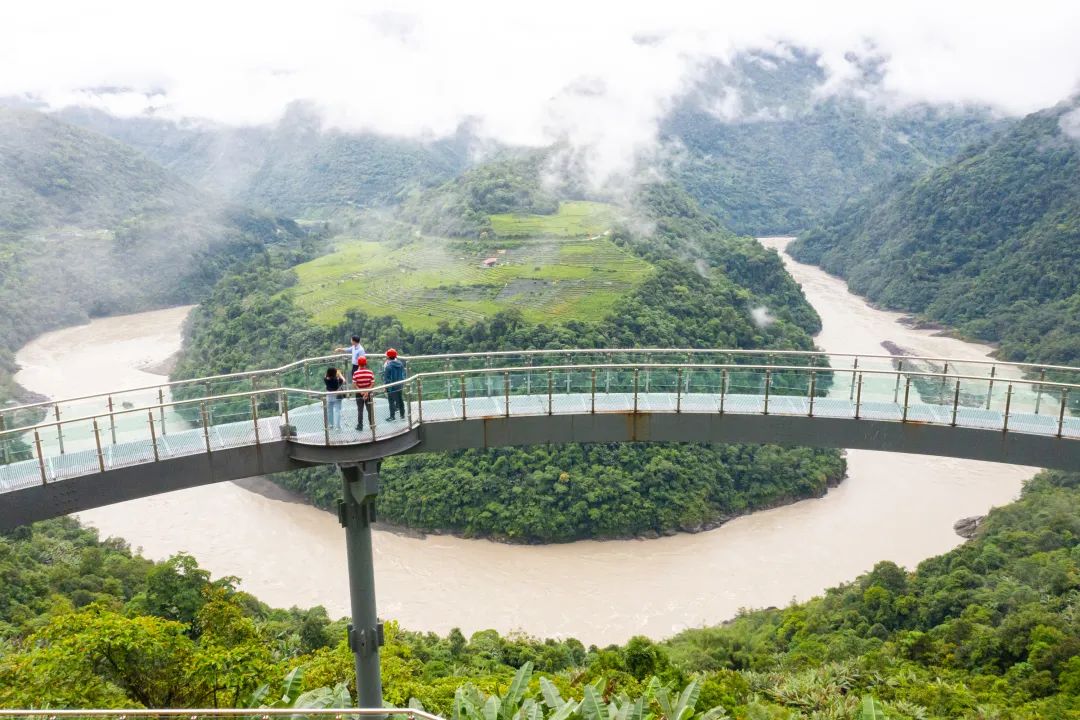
pixel 333 411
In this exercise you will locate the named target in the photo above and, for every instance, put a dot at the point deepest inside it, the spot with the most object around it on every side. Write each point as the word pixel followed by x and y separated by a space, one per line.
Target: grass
pixel 548 277
pixel 579 218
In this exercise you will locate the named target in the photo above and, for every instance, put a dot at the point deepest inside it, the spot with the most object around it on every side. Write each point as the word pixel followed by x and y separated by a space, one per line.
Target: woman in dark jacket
pixel 335 381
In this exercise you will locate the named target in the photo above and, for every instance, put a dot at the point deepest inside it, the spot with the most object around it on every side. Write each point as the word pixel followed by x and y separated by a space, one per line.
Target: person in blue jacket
pixel 394 372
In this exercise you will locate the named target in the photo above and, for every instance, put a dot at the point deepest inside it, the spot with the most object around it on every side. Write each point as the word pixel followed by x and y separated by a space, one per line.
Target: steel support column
pixel 356 511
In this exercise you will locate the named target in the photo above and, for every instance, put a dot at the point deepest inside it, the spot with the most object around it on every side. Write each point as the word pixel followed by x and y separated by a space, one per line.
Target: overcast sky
pixel 600 73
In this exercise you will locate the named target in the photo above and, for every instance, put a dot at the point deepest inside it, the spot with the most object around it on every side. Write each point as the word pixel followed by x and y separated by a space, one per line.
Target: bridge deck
pixel 309 427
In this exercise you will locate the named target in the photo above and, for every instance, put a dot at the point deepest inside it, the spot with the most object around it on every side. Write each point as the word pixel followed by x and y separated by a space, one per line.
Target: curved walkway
pixel 482 400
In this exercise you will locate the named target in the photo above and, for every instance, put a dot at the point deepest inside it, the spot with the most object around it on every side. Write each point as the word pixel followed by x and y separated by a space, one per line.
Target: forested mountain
pixel 296 167
pixel 988 630
pixel 701 288
pixel 90 227
pixel 989 243
pixel 760 145
pixel 767 142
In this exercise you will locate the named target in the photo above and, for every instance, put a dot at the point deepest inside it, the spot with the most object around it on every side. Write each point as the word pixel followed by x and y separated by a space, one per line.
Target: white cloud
pixel 598 75
pixel 1070 123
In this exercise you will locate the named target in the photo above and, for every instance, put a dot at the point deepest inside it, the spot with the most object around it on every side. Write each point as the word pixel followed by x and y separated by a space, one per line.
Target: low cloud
pixel 762 317
pixel 598 77
pixel 1070 123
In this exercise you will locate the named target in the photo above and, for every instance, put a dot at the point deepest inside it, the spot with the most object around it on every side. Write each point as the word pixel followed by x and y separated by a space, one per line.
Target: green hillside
pixel 765 153
pixel 988 630
pixel 989 243
pixel 89 227
pixel 557 267
pixel 690 283
pixel 297 167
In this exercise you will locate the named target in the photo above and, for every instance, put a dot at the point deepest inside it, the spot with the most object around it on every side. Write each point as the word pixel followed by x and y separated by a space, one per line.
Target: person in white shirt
pixel 356 350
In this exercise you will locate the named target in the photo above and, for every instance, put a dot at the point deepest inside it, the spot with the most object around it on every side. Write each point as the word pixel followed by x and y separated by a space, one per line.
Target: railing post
pixel 285 406
pixel 255 418
pixel 506 391
pixel 463 413
pixel 1038 394
pixel 4 440
pixel 678 390
pixel 1008 404
pixel 854 368
pixel 161 408
pixel 97 443
pixel 420 400
pixel 896 389
pixel 944 378
pixel 768 382
pixel 813 390
pixel 153 435
pixel 112 421
pixel 990 389
pixel 723 388
pixel 41 458
pixel 326 419
pixel 1061 412
pixel 205 417
pixel 593 384
pixel 59 429
pixel 551 387
pixel 955 403
pixel 408 404
pixel 487 375
pixel 528 374
pixel 858 396
pixel 636 374
pixel 907 394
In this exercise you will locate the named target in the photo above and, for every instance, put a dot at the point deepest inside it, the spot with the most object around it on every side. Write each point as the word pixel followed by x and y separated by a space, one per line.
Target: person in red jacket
pixel 363 380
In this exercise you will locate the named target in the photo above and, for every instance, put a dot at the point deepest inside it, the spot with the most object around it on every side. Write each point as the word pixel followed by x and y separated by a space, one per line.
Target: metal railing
pixel 215 714
pixel 484 385
pixel 299 374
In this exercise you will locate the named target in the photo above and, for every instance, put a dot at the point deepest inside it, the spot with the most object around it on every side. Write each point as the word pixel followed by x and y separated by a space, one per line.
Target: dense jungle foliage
pixel 988 630
pixel 760 144
pixel 566 493
pixel 989 244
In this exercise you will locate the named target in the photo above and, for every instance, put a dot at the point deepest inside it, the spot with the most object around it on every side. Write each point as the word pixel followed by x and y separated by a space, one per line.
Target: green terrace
pixel 552 268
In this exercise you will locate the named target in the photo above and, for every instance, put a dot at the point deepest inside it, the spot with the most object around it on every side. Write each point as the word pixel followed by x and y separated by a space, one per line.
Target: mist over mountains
pixel 91 227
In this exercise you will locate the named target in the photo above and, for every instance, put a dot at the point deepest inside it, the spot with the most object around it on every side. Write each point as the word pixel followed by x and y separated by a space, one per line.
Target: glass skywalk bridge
pixel 64 439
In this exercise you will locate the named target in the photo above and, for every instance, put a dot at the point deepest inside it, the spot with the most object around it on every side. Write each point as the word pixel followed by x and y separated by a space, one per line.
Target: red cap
pixel 361 361
pixel 391 353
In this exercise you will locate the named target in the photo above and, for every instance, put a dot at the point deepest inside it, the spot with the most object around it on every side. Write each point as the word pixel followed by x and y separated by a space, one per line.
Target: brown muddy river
pixel 896 507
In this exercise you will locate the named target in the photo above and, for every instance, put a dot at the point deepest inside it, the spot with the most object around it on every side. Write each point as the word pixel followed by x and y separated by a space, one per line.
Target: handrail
pixel 535 368
pixel 546 352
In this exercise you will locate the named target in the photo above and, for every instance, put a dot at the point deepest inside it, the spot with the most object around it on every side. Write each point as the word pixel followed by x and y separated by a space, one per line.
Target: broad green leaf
pixel 552 696
pixel 871 709
pixel 688 700
pixel 517 689
pixel 592 706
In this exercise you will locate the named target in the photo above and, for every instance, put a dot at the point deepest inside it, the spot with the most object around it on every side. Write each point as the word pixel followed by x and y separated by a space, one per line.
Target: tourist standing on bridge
pixel 394 372
pixel 355 350
pixel 363 379
pixel 335 382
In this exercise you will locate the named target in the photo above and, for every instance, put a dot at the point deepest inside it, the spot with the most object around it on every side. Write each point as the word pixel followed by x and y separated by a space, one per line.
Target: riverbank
pixel 891 507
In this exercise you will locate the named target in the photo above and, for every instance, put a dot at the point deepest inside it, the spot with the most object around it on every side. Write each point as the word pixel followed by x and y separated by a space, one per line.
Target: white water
pixel 896 507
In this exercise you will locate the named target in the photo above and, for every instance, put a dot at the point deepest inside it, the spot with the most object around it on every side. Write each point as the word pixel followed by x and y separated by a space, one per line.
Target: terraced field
pixel 579 218
pixel 552 272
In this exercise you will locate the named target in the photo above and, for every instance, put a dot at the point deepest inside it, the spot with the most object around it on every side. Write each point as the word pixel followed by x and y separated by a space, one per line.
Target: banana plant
pixel 871 709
